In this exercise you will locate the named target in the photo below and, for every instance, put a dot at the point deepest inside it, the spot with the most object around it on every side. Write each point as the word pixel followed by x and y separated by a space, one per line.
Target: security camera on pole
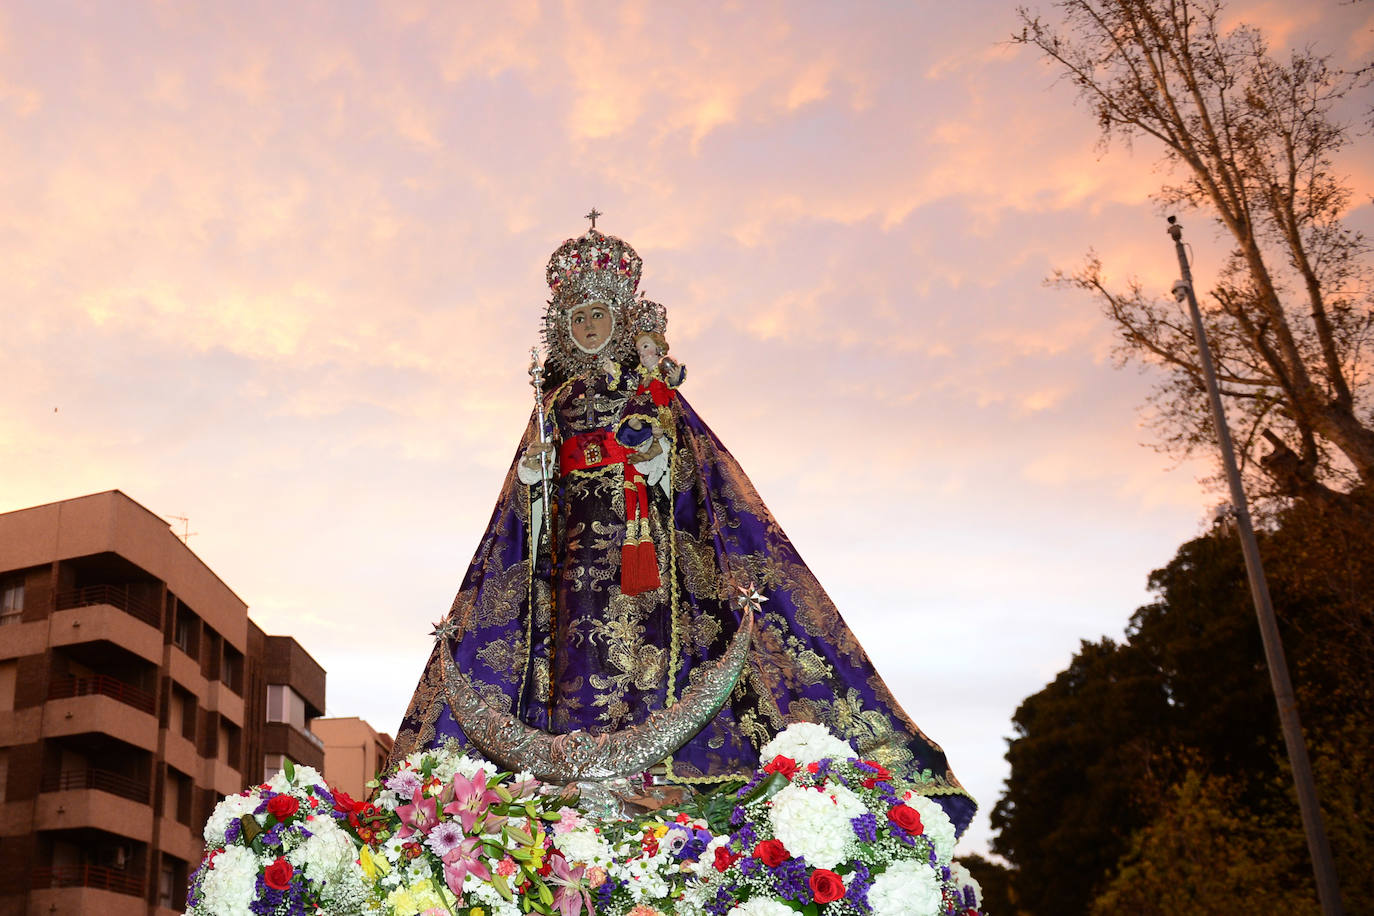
pixel 1328 890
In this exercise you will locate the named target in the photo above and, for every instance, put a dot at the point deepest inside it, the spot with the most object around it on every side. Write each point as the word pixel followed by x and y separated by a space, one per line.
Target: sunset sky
pixel 277 268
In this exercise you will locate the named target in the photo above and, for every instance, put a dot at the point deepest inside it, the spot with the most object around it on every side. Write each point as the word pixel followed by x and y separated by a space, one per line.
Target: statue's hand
pixel 635 423
pixel 533 453
pixel 672 371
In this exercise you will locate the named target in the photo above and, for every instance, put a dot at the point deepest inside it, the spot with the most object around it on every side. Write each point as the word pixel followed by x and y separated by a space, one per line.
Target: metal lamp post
pixel 1328 890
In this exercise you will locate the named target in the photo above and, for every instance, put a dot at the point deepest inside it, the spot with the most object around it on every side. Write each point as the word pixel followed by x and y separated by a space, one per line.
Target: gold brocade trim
pixel 601 471
pixel 700 780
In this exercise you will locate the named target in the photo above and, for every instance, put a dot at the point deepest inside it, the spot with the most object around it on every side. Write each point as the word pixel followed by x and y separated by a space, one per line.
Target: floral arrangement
pixel 448 833
pixel 820 831
pixel 278 849
pixel 816 831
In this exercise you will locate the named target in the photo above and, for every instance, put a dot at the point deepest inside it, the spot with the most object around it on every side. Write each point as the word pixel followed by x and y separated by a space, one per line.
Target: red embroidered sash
pixel 638 559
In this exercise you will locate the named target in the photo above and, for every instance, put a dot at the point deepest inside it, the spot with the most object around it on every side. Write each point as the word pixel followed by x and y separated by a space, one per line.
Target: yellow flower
pixel 417 898
pixel 373 866
pixel 661 831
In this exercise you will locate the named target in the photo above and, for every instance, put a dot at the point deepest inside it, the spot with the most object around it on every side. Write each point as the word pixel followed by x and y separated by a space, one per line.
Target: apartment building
pixel 354 752
pixel 134 692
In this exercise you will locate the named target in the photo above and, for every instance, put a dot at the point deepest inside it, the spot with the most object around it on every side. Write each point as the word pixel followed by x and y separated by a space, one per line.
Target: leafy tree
pixel 1083 745
pixel 1252 140
pixel 1206 852
pixel 1106 759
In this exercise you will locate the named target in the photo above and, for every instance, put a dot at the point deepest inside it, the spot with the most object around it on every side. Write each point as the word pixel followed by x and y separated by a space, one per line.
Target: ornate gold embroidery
pixel 503 595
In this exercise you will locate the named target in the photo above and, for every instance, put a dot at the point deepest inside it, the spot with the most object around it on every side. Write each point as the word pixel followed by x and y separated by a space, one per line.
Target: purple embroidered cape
pixel 566 649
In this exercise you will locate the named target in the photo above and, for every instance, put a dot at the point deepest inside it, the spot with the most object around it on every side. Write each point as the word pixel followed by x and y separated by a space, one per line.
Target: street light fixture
pixel 1328 890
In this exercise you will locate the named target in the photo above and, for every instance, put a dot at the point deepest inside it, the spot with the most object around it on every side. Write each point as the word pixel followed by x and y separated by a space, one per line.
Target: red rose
pixel 725 858
pixel 906 817
pixel 877 777
pixel 344 803
pixel 826 886
pixel 278 875
pixel 282 806
pixel 784 765
pixel 772 853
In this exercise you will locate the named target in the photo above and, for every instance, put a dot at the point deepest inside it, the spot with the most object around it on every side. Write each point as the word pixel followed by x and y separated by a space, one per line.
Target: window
pixel 176 797
pixel 188 716
pixel 271 764
pixel 285 705
pixel 232 672
pixel 183 634
pixel 11 599
pixel 9 672
pixel 166 881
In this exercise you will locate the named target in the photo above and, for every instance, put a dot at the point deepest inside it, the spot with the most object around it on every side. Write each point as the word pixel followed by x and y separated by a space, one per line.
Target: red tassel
pixel 648 566
pixel 638 568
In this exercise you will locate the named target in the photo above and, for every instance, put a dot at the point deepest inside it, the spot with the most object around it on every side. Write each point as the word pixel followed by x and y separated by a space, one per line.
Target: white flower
pixel 326 853
pixel 959 876
pixel 491 899
pixel 584 847
pixel 907 888
pixel 762 906
pixel 305 776
pixel 936 825
pixel 228 887
pixel 806 742
pixel 815 823
pixel 226 812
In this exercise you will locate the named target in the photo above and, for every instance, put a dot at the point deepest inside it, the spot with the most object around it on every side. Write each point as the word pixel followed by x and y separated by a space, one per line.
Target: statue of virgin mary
pixel 609 577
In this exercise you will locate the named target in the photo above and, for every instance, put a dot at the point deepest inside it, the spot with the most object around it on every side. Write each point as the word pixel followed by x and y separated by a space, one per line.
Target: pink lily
pixel 461 861
pixel 471 799
pixel 570 892
pixel 420 817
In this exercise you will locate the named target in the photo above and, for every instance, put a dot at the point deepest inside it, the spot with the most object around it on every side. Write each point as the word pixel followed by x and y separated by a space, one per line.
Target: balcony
pixel 102 685
pixel 100 781
pixel 93 876
pixel 119 596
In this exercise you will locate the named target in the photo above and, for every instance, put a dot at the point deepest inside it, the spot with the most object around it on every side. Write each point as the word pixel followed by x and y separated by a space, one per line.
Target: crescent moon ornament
pixel 581 757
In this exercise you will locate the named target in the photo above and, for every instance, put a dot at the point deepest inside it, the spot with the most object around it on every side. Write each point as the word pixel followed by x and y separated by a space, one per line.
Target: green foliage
pixel 1109 760
pixel 1206 852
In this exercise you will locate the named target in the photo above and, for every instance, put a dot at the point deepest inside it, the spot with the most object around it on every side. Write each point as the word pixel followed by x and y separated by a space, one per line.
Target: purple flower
pixel 857 892
pixel 791 880
pixel 866 827
pixel 404 782
pixel 448 835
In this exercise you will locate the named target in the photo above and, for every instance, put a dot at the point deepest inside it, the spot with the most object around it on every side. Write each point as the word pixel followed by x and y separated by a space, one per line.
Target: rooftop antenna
pixel 186 532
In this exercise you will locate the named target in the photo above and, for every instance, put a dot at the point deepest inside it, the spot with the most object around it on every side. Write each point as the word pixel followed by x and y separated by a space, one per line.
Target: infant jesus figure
pixel 659 377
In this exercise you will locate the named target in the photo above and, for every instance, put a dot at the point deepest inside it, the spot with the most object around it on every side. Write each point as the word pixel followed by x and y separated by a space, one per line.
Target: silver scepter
pixel 537 383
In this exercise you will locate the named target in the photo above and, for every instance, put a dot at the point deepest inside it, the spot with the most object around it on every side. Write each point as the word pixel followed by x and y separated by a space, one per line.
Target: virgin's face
pixel 591 325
